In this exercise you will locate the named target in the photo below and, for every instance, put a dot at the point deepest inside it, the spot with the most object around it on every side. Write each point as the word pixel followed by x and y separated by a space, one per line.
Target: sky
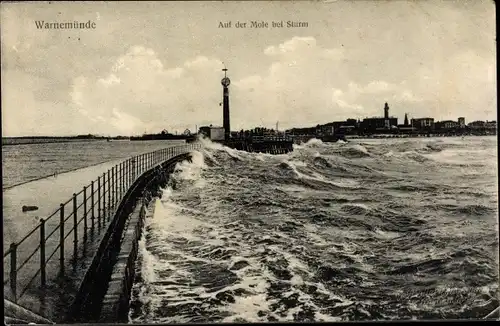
pixel 151 66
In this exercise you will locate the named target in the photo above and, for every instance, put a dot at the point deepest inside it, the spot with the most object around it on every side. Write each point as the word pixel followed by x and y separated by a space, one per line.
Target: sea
pixel 369 229
pixel 386 229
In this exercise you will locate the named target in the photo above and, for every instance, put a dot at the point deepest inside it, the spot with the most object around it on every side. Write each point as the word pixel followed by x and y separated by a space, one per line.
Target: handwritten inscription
pixel 260 24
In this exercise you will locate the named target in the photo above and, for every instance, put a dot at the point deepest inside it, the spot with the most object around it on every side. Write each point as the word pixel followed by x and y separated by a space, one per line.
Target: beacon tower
pixel 225 105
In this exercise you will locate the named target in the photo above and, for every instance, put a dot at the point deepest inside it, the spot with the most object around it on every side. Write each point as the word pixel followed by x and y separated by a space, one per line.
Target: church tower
pixel 225 105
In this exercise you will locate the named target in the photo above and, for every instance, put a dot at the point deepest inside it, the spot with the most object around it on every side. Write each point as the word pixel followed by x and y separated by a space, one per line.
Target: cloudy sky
pixel 157 65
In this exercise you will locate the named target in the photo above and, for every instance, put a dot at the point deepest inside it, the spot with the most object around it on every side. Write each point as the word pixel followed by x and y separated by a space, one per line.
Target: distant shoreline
pixel 28 140
pixel 12 141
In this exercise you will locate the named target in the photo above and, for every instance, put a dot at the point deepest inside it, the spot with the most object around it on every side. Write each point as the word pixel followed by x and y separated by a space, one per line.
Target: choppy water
pixel 365 230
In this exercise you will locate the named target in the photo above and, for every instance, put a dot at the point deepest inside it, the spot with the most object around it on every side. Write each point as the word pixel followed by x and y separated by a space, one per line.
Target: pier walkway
pixel 47 252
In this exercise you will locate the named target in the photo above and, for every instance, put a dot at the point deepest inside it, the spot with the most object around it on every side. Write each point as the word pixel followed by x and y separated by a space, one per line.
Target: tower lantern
pixel 225 105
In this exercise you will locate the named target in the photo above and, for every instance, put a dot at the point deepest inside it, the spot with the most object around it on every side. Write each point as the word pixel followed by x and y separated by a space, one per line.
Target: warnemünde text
pixel 41 24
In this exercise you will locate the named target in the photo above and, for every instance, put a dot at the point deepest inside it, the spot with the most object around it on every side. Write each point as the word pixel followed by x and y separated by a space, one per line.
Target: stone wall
pixel 105 291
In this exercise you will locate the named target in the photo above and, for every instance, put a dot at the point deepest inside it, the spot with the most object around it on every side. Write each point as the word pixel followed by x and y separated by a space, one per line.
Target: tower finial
pixel 225 69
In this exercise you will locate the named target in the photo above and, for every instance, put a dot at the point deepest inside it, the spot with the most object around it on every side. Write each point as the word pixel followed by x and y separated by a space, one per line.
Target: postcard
pixel 249 161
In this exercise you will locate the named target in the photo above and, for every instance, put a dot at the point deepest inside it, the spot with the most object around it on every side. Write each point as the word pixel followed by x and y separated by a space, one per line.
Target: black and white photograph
pixel 180 162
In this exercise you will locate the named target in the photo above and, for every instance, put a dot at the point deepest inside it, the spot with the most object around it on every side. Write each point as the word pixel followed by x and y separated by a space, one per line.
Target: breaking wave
pixel 373 230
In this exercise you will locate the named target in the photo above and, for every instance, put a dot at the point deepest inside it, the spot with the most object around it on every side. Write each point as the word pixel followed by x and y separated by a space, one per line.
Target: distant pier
pixel 261 144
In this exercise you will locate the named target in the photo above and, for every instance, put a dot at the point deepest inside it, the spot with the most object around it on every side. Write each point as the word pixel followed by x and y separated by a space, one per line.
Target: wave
pixel 328 232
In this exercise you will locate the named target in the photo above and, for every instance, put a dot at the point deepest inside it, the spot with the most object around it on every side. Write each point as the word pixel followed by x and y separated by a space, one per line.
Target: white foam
pixel 248 307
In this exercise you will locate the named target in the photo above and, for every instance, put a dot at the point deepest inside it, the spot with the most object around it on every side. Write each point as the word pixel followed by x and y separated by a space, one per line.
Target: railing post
pixel 104 197
pixel 112 186
pixel 121 178
pixel 133 170
pixel 75 229
pixel 115 185
pixel 109 195
pixel 85 212
pixel 99 202
pixel 127 173
pixel 42 252
pixel 13 270
pixel 124 181
pixel 92 204
pixel 61 239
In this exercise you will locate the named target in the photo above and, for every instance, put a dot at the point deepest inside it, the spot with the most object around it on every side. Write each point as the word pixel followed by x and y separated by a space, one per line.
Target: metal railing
pixel 92 207
pixel 271 138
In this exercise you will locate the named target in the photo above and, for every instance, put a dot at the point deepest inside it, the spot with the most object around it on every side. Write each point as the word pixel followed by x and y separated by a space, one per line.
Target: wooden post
pixel 13 270
pixel 42 252
pixel 61 239
pixel 104 197
pixel 75 229
pixel 99 202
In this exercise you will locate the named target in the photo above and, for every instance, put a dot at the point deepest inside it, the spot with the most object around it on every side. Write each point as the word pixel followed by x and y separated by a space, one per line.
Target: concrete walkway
pixel 47 194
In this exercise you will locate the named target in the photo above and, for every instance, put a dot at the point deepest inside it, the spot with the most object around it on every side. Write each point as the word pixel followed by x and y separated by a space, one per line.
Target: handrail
pixel 491 314
pixel 94 205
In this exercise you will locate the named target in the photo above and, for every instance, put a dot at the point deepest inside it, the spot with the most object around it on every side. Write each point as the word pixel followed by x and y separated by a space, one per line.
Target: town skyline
pixel 269 126
pixel 145 68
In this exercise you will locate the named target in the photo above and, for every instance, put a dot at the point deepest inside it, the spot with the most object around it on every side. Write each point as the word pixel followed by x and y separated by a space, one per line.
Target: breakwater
pixel 46 269
pixel 269 145
pixel 105 290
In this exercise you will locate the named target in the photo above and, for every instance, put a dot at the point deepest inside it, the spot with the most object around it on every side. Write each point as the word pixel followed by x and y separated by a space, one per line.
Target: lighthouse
pixel 225 105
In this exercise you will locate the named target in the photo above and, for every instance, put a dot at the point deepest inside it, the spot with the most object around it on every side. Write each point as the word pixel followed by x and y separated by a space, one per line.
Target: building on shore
pixel 379 124
pixel 214 133
pixel 446 125
pixel 423 124
pixel 461 122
